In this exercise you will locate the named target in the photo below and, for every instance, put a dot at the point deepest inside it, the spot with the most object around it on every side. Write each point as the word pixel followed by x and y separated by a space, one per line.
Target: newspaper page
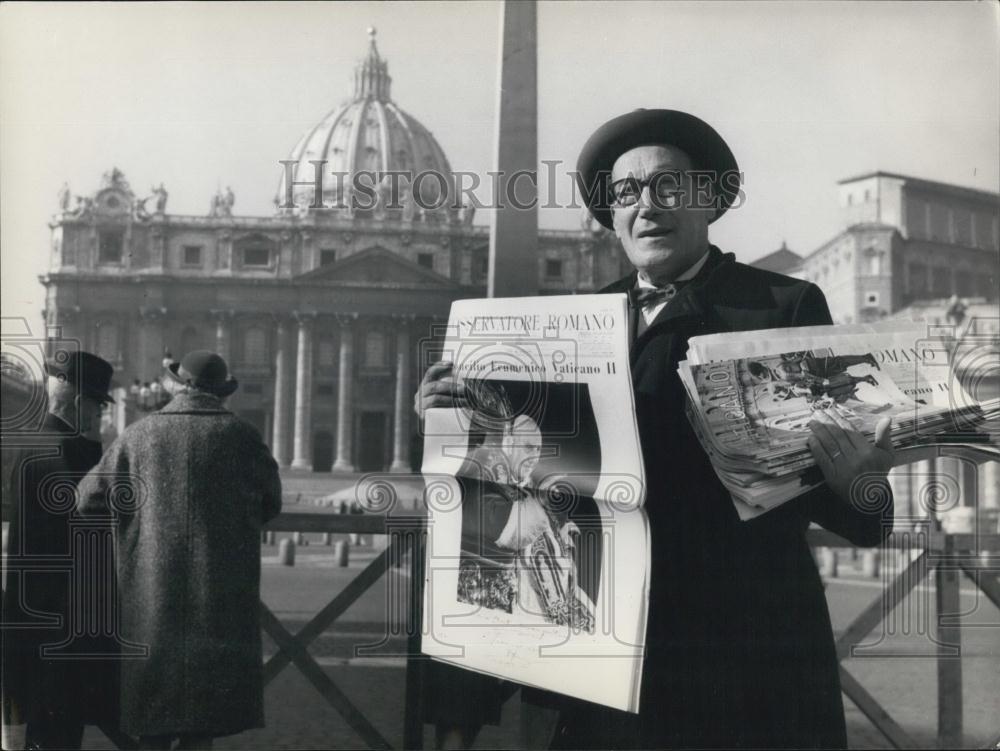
pixel 753 394
pixel 538 551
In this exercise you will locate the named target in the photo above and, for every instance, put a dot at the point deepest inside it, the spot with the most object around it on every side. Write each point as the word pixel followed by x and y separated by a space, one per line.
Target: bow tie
pixel 645 297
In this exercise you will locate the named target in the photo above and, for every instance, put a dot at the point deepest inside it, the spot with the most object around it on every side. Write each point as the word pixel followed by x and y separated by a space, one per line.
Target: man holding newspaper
pixel 739 647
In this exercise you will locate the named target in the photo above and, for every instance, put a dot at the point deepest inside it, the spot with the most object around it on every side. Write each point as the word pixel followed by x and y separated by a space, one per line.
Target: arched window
pixel 255 346
pixel 375 349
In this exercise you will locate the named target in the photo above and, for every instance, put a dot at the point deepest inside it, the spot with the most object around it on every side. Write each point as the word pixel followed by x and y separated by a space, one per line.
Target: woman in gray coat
pixel 190 487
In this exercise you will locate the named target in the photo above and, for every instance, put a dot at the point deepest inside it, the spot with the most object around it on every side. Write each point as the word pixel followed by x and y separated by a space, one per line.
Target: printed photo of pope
pixel 530 532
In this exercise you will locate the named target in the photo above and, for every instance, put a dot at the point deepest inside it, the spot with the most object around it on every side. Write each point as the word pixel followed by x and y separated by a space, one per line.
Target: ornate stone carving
pixel 64 197
pixel 222 203
pixel 160 194
pixel 115 179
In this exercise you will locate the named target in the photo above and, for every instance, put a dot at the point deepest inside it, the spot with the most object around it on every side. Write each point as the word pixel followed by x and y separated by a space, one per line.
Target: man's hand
pixel 843 454
pixel 438 389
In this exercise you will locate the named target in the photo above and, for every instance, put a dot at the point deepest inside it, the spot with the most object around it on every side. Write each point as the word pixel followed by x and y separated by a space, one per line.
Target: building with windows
pixel 905 241
pixel 322 313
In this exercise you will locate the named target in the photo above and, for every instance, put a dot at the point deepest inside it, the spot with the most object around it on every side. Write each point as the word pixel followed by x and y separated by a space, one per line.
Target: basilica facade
pixel 327 316
pixel 331 308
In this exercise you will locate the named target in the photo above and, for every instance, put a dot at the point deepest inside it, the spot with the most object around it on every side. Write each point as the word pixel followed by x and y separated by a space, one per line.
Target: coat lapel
pixel 689 313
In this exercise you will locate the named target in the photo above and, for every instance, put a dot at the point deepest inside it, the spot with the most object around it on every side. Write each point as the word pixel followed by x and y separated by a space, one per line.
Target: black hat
pixel 692 135
pixel 89 373
pixel 204 370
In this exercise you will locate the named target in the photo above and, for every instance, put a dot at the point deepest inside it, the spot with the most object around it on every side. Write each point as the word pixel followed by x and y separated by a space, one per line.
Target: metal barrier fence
pixel 949 557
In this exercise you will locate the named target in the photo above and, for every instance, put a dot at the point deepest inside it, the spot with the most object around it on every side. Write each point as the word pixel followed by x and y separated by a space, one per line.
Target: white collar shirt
pixel 649 313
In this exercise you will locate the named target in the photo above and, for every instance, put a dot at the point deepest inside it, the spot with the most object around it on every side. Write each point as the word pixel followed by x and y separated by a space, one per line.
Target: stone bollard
pixel 341 551
pixel 286 552
pixel 327 539
pixel 870 560
pixel 828 563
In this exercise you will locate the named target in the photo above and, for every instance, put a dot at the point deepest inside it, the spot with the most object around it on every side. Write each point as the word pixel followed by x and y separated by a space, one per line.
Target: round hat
pixel 89 373
pixel 699 140
pixel 204 370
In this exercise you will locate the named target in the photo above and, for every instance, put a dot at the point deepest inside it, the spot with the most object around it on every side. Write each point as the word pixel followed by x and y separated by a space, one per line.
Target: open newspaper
pixel 538 550
pixel 752 395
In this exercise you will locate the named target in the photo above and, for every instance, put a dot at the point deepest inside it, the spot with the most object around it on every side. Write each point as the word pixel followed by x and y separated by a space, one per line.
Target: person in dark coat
pixel 58 676
pixel 739 646
pixel 189 488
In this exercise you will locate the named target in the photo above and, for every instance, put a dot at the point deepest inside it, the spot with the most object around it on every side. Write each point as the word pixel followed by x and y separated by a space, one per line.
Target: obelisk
pixel 513 268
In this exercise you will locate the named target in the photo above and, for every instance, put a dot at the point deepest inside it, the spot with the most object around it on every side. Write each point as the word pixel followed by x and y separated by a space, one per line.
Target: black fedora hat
pixel 89 373
pixel 205 371
pixel 699 140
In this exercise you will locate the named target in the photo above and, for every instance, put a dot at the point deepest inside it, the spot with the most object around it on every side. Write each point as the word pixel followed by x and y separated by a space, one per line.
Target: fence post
pixel 828 562
pixel 949 647
pixel 341 553
pixel 413 723
pixel 870 560
pixel 286 552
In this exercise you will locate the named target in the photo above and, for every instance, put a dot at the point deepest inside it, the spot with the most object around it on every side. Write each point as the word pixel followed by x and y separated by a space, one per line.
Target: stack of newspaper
pixel 752 395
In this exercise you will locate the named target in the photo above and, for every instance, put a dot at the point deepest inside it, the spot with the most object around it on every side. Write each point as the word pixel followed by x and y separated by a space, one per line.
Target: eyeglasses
pixel 664 190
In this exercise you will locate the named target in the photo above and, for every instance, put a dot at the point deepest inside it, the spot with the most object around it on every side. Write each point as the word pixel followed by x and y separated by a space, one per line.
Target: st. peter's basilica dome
pixel 370 133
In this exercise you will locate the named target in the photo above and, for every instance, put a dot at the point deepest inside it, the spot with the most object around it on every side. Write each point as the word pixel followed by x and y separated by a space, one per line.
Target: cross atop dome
pixel 371 76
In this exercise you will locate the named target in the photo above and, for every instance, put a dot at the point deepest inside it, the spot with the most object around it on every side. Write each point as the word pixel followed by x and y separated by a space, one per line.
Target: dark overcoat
pixel 189 487
pixel 55 667
pixel 739 646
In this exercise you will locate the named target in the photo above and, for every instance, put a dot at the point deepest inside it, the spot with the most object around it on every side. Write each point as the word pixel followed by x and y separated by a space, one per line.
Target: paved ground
pixel 897 665
pixel 898 668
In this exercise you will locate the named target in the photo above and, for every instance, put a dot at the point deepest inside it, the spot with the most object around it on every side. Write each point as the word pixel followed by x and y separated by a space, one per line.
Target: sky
pixel 200 96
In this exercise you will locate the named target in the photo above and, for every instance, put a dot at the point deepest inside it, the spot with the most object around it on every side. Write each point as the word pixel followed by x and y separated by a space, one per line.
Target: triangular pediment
pixel 377 267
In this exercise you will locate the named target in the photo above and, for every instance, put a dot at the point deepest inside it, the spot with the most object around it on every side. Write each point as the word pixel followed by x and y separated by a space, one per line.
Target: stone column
pixel 345 389
pixel 899 481
pixel 157 249
pixel 989 497
pixel 922 490
pixel 223 335
pixel 302 448
pixel 150 362
pixel 282 389
pixel 404 402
